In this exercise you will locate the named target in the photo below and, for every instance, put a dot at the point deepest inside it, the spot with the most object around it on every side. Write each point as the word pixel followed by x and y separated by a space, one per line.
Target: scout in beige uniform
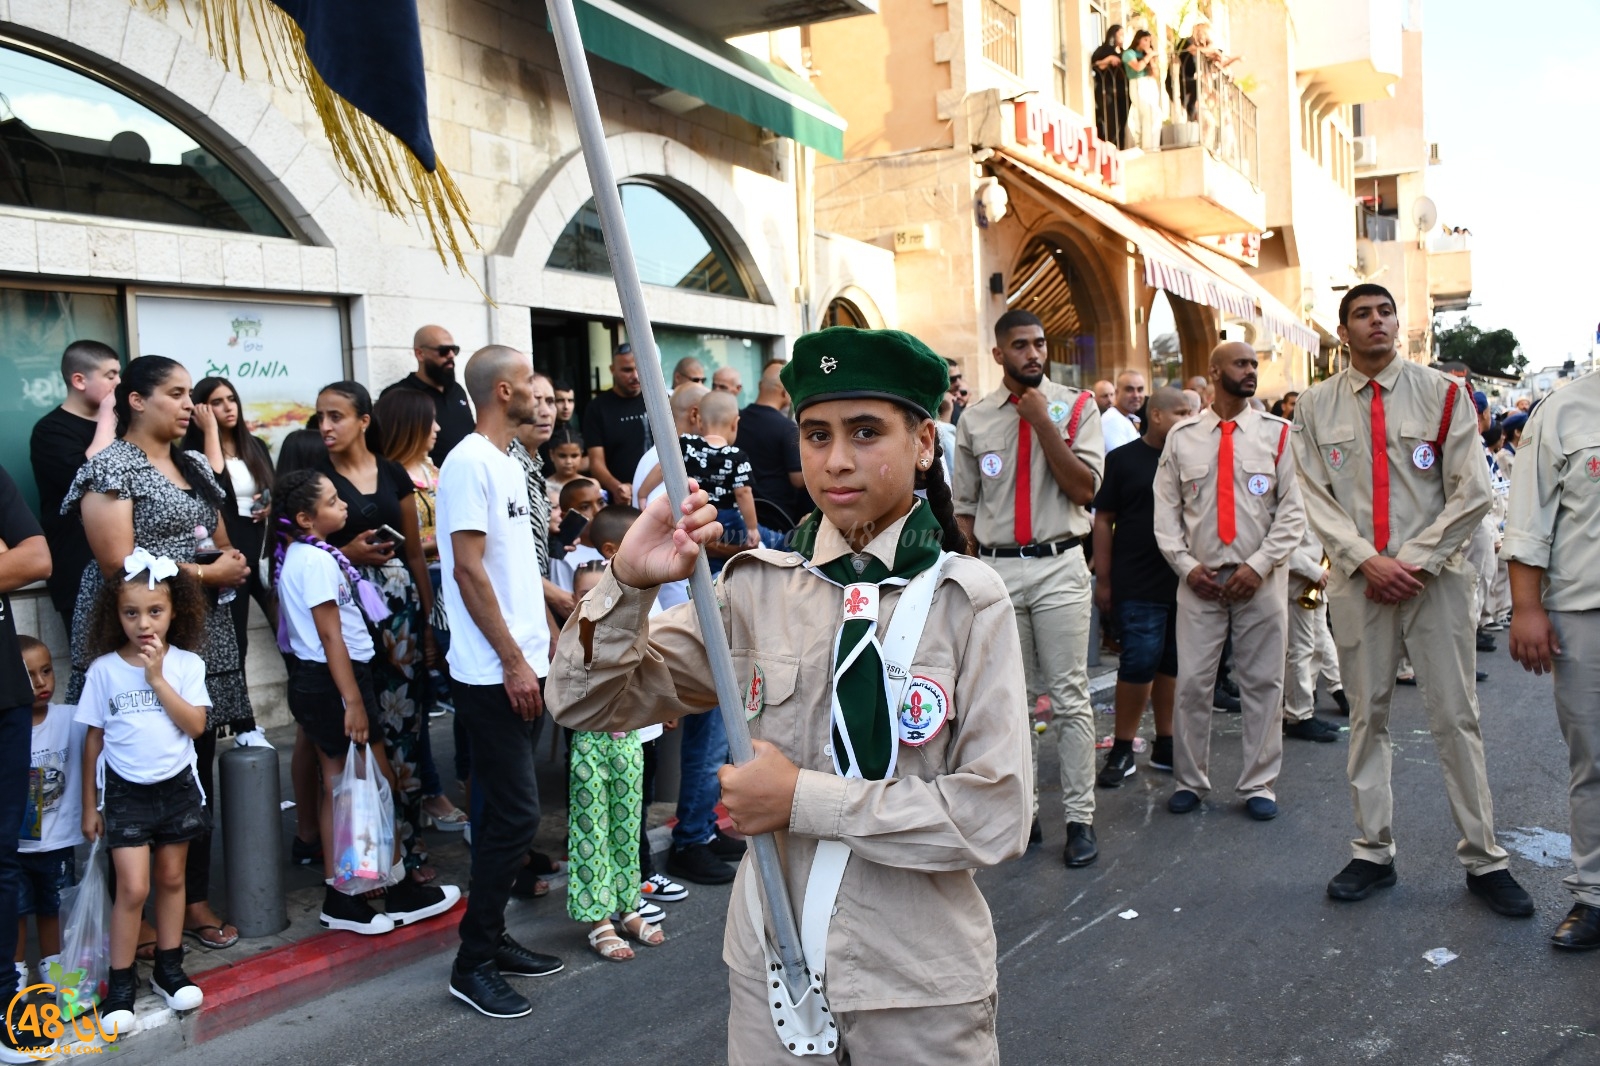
pixel 1029 457
pixel 1228 514
pixel 1394 482
pixel 1553 548
pixel 1307 625
pixel 921 795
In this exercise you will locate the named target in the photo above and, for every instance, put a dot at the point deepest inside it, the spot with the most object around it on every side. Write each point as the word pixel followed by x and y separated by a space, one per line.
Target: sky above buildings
pixel 1513 99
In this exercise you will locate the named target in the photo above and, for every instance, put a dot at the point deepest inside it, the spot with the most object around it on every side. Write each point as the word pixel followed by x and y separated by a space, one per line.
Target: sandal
pixel 608 945
pixel 215 943
pixel 452 821
pixel 634 925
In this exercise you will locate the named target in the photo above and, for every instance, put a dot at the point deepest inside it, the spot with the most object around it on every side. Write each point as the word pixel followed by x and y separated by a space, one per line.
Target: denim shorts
pixel 167 812
pixel 1149 641
pixel 318 708
pixel 45 875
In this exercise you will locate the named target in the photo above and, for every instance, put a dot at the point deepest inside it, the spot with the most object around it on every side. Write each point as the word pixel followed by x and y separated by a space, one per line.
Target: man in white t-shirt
pixel 499 654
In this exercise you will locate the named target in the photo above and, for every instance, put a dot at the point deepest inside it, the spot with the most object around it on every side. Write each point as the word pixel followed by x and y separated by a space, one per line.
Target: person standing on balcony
pixel 1111 88
pixel 1139 63
pixel 1198 52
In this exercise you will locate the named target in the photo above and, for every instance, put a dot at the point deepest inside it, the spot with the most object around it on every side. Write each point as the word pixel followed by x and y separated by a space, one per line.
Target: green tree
pixel 1484 351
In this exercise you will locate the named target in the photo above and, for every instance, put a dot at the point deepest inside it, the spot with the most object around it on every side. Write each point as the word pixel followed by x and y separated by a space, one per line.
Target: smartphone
pixel 571 529
pixel 207 557
pixel 387 532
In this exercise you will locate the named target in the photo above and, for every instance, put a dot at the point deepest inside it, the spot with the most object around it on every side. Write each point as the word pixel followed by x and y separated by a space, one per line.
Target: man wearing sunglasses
pixel 435 376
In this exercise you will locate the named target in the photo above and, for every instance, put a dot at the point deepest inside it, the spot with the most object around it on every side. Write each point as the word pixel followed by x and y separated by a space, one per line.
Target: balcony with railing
pixel 1204 179
pixel 1376 226
pixel 1001 45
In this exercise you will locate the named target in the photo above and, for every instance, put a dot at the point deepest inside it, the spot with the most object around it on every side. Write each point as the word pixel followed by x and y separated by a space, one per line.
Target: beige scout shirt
pixel 1269 518
pixel 1435 501
pixel 986 468
pixel 911 927
pixel 1555 497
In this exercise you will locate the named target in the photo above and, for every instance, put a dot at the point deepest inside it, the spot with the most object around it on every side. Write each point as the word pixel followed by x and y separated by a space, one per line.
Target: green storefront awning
pixel 725 77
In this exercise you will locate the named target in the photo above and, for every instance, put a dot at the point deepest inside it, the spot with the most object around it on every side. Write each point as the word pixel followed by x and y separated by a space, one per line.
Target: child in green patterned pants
pixel 605 791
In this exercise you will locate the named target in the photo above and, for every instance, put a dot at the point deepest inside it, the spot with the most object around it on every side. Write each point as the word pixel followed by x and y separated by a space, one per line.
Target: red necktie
pixel 1022 516
pixel 1380 471
pixel 1225 510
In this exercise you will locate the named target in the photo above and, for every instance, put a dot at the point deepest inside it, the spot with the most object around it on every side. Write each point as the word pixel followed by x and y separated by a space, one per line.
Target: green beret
pixel 843 362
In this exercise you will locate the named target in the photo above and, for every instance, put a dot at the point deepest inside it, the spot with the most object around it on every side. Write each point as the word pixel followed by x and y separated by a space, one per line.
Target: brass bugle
pixel 1313 597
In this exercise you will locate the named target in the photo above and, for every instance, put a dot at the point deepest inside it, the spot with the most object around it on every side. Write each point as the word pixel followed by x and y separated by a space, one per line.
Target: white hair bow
pixel 159 567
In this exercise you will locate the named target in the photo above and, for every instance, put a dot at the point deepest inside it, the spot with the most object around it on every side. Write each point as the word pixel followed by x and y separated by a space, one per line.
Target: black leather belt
pixel 1032 551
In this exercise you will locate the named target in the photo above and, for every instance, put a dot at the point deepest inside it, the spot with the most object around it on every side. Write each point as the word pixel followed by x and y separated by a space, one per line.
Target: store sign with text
pixel 1240 247
pixel 1069 142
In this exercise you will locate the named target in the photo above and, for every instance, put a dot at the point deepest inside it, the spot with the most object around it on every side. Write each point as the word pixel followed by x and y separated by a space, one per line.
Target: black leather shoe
pixel 727 848
pixel 1502 893
pixel 1182 801
pixel 1261 808
pixel 1222 700
pixel 698 863
pixel 485 991
pixel 1035 834
pixel 1081 847
pixel 1579 930
pixel 1339 700
pixel 1486 642
pixel 1312 728
pixel 1482 676
pixel 1359 878
pixel 514 960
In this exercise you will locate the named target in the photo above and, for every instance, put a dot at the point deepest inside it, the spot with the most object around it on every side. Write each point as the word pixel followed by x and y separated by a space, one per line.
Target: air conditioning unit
pixel 1366 151
pixel 1433 154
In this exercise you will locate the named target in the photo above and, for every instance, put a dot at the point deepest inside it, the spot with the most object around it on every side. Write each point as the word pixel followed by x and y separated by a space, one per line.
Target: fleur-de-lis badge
pixel 856 603
pixel 829 364
pixel 1593 466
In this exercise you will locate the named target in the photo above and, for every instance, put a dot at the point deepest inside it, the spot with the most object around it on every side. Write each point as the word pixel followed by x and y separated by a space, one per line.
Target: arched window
pixel 671 245
pixel 69 142
pixel 1049 283
pixel 1166 354
pixel 842 312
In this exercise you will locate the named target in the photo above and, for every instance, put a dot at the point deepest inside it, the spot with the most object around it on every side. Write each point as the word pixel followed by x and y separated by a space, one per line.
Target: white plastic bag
pixel 84 969
pixel 363 825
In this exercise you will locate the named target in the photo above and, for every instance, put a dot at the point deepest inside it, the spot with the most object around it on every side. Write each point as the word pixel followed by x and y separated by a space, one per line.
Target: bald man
pixel 771 440
pixel 1118 428
pixel 1228 514
pixel 435 377
pixel 1105 394
pixel 689 371
pixel 727 379
pixel 499 653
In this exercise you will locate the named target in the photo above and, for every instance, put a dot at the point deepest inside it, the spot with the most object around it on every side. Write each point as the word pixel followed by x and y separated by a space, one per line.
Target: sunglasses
pixel 698 381
pixel 443 349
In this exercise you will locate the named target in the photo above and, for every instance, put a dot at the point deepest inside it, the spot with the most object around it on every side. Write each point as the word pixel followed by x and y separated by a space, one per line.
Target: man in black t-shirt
pixel 62 442
pixel 1136 588
pixel 616 430
pixel 771 440
pixel 435 377
pixel 24 559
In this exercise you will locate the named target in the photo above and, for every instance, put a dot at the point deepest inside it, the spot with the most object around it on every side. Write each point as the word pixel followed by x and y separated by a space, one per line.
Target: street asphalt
pixel 1236 955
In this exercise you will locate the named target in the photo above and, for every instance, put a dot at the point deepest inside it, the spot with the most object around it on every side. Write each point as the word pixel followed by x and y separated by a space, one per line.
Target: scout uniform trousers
pixel 1052 598
pixel 1310 648
pixel 1435 629
pixel 960 1034
pixel 1260 633
pixel 1577 690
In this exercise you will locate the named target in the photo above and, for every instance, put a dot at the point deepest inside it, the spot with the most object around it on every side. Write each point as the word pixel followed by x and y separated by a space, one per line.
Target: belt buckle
pixel 1028 551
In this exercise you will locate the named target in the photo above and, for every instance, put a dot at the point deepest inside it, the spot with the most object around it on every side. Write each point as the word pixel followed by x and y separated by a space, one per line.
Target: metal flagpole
pixel 586 113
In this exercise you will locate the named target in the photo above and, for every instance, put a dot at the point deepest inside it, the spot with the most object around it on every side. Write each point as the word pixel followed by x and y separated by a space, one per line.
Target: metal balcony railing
pixel 1000 44
pixel 1376 227
pixel 1210 106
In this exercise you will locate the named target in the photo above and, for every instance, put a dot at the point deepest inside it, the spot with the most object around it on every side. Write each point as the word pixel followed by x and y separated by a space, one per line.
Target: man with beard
pixel 1029 457
pixel 1227 516
pixel 1395 483
pixel 435 377
pixel 616 430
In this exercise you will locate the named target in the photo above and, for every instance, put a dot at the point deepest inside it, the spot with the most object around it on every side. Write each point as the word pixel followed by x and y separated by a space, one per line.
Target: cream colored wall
pixel 884 74
pixel 1397 121
pixel 1260 34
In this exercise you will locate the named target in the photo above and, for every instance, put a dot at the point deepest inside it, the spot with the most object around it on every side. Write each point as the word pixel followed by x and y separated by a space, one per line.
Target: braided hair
pixel 932 481
pixel 296 493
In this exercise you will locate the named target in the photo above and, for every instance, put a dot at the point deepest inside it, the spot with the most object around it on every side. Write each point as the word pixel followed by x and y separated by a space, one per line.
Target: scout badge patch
pixel 1258 484
pixel 991 464
pixel 1336 457
pixel 1592 467
pixel 1058 410
pixel 755 697
pixel 1423 457
pixel 923 712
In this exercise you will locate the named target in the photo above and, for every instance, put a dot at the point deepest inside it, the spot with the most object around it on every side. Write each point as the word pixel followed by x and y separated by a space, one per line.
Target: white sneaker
pixel 253 739
pixel 663 889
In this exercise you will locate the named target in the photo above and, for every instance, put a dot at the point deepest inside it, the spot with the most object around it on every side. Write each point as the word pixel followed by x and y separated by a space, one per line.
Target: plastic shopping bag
pixel 363 825
pixel 82 973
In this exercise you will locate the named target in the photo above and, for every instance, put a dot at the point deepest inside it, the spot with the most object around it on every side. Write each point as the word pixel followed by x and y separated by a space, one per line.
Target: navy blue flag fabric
pixel 370 53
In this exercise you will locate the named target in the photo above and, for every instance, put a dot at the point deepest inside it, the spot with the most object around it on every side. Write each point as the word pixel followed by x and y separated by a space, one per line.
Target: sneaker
pixel 1502 893
pixel 726 847
pixel 662 889
pixel 649 911
pixel 1359 878
pixel 514 960
pixel 1486 642
pixel 116 1010
pixel 1406 679
pixel 408 902
pixel 1341 702
pixel 1496 626
pixel 171 983
pixel 352 914
pixel 1225 701
pixel 1183 801
pixel 699 864
pixel 1161 754
pixel 1119 764
pixel 1312 728
pixel 484 990
pixel 21 1047
pixel 303 854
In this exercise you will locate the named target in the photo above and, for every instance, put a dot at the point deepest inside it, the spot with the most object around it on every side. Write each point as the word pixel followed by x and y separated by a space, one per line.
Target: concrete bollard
pixel 251 840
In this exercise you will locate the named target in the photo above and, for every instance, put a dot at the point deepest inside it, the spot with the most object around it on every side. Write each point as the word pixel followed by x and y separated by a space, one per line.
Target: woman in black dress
pixel 1111 88
pixel 142 490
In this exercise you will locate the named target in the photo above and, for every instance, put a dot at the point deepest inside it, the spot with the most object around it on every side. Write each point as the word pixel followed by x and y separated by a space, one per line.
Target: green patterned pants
pixel 605 794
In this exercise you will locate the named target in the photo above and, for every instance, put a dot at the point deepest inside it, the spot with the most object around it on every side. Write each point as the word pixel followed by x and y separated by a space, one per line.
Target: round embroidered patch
pixel 1058 411
pixel 924 711
pixel 1422 457
pixel 991 464
pixel 1258 484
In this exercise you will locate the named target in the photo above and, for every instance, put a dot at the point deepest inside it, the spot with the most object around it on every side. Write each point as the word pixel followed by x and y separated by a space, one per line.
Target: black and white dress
pixel 164 521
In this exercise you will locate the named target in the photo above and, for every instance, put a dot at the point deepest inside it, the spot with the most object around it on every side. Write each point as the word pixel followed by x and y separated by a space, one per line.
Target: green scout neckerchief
pixel 860 688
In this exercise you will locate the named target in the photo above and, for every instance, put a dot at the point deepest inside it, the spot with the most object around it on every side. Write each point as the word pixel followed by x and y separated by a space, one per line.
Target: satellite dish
pixel 1425 214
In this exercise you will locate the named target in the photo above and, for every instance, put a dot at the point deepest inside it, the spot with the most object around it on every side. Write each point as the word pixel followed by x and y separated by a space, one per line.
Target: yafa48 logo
pixel 30 1021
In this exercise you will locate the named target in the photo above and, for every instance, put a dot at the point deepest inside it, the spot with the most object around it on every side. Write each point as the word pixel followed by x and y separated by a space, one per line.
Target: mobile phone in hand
pixel 387 532
pixel 571 529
